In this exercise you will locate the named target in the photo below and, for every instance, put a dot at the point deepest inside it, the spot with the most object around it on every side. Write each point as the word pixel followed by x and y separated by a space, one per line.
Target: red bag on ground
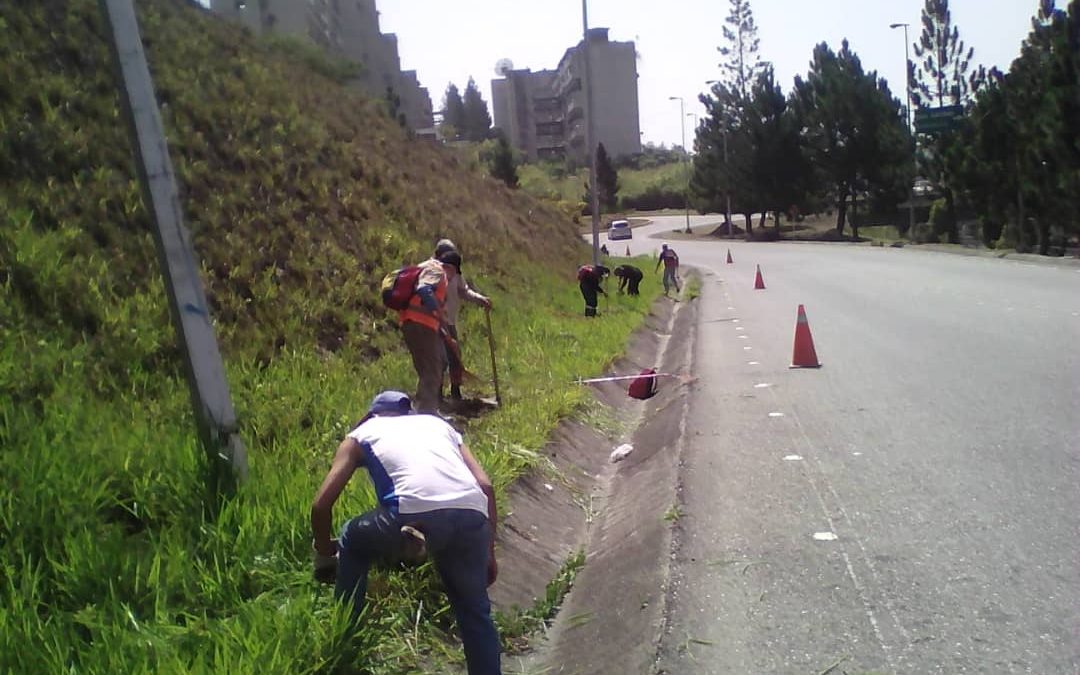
pixel 644 385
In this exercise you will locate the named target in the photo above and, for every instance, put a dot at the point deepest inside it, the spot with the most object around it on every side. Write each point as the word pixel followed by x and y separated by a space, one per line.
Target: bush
pixel 925 234
pixel 654 199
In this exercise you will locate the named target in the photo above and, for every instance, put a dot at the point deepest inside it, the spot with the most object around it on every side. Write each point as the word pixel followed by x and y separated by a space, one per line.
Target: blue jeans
pixel 670 280
pixel 458 541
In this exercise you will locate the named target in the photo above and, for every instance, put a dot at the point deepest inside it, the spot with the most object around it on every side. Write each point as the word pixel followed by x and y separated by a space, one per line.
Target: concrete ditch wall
pixel 612 619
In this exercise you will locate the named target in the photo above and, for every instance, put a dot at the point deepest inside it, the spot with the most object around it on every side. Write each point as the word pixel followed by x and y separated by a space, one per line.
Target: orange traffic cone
pixel 628 250
pixel 729 260
pixel 803 354
pixel 759 283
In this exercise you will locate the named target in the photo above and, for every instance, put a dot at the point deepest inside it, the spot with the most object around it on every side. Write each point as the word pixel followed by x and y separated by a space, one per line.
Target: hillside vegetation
pixel 300 194
pixel 644 189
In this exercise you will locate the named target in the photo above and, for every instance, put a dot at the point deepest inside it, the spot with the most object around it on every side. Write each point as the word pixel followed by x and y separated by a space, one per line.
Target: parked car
pixel 923 188
pixel 620 229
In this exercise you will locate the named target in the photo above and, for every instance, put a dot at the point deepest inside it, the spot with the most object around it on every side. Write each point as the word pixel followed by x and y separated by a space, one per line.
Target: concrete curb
pixel 613 619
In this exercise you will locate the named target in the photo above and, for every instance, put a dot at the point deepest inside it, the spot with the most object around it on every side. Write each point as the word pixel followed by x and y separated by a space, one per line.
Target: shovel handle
pixel 491 348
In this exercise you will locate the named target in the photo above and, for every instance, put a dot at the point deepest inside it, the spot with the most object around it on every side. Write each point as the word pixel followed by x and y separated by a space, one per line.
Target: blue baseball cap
pixel 390 402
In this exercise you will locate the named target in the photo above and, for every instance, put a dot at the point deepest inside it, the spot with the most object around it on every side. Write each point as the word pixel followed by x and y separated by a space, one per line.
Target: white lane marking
pixel 857 454
pixel 744 337
pixel 824 536
pixel 793 458
pixel 752 363
pixel 732 308
pixel 735 321
pixel 762 385
pixel 776 414
pixel 747 348
pixel 739 328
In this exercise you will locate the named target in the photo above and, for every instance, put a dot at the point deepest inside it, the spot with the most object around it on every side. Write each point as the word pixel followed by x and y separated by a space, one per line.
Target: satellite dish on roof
pixel 503 66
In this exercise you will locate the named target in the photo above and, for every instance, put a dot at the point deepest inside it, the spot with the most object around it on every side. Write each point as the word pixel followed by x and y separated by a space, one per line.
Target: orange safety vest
pixel 417 313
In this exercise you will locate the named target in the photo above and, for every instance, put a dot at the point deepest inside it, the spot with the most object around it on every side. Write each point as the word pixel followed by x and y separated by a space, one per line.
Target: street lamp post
pixel 727 176
pixel 914 154
pixel 590 141
pixel 686 188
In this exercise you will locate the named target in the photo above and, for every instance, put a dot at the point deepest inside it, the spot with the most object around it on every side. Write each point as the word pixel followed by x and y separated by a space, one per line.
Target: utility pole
pixel 214 414
pixel 686 187
pixel 914 153
pixel 590 140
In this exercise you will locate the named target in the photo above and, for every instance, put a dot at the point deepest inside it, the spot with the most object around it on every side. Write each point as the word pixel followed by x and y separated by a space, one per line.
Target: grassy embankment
pixel 299 195
pixel 551 182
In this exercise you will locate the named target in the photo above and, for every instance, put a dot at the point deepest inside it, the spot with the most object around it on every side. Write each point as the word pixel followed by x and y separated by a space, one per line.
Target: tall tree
pixel 723 166
pixel 1017 155
pixel 943 77
pixel 777 166
pixel 853 127
pixel 741 64
pixel 477 121
pixel 453 113
pixel 607 178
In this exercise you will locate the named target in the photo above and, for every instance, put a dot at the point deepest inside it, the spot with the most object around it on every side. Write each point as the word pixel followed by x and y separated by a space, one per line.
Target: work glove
pixel 324 566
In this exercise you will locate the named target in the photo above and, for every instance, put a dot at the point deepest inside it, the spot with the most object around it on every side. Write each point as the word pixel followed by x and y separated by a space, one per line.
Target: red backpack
pixel 584 271
pixel 644 385
pixel 398 287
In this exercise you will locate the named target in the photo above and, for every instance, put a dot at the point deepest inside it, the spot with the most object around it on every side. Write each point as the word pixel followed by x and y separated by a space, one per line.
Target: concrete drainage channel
pixel 620 514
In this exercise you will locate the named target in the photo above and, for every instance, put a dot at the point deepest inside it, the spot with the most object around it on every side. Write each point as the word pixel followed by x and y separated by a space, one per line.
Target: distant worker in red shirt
pixel 670 260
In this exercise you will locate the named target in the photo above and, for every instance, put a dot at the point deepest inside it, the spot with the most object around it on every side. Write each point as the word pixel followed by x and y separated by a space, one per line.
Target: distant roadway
pixel 911 507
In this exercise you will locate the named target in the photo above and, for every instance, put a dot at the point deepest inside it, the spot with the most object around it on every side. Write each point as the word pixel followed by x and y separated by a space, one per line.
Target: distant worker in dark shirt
pixel 589 278
pixel 670 260
pixel 629 278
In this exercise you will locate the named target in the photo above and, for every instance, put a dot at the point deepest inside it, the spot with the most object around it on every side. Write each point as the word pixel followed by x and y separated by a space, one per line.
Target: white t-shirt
pixel 416 466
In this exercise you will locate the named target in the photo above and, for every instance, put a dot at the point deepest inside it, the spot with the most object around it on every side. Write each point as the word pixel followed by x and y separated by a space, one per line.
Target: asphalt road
pixel 911 507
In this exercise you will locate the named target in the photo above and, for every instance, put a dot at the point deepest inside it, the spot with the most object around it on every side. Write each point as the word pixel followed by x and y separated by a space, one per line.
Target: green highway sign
pixel 937 120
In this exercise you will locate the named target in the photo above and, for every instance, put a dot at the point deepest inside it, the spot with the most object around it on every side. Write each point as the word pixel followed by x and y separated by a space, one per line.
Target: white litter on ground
pixel 621 452
pixel 792 458
pixel 549 487
pixel 824 536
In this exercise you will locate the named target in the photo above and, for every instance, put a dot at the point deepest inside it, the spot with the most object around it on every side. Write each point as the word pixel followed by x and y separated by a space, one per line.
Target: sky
pixel 677 41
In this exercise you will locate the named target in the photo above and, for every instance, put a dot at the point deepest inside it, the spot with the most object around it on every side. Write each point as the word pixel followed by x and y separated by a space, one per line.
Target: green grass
pixel 299 195
pixel 109 541
pixel 550 182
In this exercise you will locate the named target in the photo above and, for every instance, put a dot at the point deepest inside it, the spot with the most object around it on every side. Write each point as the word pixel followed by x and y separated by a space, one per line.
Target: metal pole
pixel 914 154
pixel 914 140
pixel 686 187
pixel 727 186
pixel 214 414
pixel 594 189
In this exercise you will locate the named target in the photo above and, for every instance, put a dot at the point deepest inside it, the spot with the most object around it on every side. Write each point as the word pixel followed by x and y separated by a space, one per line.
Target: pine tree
pixel 502 162
pixel 608 179
pixel 741 63
pixel 943 78
pixel 453 113
pixel 854 128
pixel 476 125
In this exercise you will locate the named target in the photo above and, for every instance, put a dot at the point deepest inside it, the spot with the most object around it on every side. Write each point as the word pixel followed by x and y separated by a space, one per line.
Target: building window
pixel 549 129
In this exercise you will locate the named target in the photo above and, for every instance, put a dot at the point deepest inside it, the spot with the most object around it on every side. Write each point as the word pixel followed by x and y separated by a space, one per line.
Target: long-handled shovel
pixel 491 347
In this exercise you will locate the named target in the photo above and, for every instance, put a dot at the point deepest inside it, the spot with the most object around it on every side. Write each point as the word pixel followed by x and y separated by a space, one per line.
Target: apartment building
pixel 348 30
pixel 542 113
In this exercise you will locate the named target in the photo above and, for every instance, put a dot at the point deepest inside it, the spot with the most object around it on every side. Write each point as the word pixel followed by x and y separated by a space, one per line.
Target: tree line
pixel 1008 164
